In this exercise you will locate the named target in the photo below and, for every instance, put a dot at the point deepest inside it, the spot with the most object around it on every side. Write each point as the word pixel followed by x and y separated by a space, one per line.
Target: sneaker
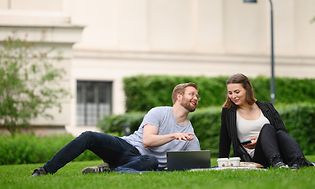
pixel 280 164
pixel 96 169
pixel 277 162
pixel 300 162
pixel 39 172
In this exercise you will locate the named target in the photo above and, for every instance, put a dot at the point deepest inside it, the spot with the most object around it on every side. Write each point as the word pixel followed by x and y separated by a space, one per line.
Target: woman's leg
pixel 267 150
pixel 291 151
pixel 107 147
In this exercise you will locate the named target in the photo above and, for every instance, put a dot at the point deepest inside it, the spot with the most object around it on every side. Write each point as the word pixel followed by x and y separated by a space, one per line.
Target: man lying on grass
pixel 162 129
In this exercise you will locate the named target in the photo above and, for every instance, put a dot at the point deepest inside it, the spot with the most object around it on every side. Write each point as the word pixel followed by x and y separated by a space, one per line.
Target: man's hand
pixel 184 136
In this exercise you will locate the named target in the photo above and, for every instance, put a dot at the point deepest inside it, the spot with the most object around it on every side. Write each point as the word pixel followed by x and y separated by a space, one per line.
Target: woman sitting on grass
pixel 255 129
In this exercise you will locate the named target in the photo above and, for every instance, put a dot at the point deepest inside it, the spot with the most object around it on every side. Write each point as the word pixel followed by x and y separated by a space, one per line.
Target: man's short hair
pixel 180 88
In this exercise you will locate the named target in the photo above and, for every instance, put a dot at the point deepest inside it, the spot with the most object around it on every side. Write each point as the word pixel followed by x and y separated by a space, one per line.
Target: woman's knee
pixel 266 132
pixel 281 132
pixel 268 128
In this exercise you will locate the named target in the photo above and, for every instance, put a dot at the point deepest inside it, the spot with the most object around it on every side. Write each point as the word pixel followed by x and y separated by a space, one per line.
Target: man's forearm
pixel 153 140
pixel 157 140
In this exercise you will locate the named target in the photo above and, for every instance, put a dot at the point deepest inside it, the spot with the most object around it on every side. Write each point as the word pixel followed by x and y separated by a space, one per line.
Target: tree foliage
pixel 29 83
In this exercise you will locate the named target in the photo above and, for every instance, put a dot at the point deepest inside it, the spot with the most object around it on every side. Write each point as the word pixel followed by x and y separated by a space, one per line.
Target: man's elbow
pixel 146 143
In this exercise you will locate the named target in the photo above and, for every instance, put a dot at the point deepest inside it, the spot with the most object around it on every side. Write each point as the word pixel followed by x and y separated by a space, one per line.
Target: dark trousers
pixel 115 151
pixel 273 145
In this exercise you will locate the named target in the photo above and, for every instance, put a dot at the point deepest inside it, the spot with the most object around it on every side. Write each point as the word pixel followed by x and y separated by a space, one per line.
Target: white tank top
pixel 249 128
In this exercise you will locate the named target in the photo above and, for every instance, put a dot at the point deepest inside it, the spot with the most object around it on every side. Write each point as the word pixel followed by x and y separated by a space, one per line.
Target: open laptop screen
pixel 183 160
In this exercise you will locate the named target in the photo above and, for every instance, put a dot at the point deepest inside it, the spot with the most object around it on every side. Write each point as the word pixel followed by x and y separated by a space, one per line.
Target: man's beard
pixel 186 104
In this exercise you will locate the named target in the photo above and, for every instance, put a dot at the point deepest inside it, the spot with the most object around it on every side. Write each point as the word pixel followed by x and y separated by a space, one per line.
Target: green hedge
pixel 121 124
pixel 145 92
pixel 22 149
pixel 300 121
pixel 298 118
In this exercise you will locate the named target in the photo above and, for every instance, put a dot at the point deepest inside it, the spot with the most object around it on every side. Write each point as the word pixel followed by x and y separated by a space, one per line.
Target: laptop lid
pixel 183 160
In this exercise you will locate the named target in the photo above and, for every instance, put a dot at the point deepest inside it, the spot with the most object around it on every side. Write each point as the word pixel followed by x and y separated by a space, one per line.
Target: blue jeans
pixel 115 151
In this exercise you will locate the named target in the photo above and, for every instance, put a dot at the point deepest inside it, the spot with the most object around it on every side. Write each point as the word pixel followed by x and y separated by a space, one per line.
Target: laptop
pixel 185 160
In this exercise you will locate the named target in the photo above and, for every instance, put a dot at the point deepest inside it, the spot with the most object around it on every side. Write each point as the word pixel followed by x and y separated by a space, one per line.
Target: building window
pixel 94 101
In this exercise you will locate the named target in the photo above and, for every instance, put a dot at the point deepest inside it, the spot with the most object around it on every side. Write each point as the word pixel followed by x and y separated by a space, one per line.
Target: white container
pixel 223 162
pixel 234 161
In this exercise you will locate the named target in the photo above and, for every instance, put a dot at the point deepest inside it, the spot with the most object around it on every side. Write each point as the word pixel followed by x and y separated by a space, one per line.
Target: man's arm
pixel 151 138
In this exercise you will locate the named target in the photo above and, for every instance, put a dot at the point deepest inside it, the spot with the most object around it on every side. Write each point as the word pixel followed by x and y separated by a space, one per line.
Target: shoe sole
pixel 99 169
pixel 88 170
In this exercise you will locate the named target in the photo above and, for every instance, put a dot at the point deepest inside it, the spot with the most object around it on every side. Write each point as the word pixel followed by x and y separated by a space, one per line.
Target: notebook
pixel 185 160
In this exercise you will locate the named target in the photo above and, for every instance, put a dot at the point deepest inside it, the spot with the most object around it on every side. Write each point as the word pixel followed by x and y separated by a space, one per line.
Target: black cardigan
pixel 228 133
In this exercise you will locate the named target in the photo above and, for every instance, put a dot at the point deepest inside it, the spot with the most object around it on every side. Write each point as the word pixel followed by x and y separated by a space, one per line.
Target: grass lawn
pixel 19 176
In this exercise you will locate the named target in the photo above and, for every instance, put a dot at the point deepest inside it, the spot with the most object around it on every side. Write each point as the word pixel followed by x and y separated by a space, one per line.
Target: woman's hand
pixel 251 145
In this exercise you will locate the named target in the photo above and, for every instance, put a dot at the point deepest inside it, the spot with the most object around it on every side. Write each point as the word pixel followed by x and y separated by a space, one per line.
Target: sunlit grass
pixel 19 176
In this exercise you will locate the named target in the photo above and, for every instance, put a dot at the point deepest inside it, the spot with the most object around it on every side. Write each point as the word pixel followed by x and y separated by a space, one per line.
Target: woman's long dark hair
pixel 241 79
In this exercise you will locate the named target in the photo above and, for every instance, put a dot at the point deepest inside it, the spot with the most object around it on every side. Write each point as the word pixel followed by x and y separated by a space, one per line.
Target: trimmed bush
pixel 24 148
pixel 300 122
pixel 298 118
pixel 146 92
pixel 121 124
